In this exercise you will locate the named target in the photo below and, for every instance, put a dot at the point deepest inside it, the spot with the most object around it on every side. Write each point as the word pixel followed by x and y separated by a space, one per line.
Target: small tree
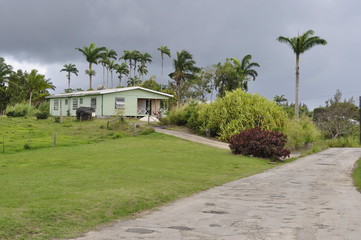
pixel 337 118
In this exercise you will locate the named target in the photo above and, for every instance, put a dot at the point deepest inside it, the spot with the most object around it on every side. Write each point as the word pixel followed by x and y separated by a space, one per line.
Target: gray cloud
pixel 47 33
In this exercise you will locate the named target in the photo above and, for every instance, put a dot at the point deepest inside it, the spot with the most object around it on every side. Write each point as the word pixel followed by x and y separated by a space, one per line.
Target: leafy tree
pixel 5 72
pixel 152 84
pixel 121 69
pixel 245 70
pixel 202 84
pixel 164 50
pixel 299 45
pixel 338 118
pixel 92 55
pixel 184 72
pixel 70 68
pixel 227 78
pixel 36 83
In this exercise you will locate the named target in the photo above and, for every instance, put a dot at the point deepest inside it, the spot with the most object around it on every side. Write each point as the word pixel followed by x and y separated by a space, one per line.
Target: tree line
pixel 187 80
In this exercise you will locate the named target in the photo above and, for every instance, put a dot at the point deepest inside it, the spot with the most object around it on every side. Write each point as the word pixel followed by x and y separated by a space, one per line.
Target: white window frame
pixel 56 104
pixel 93 100
pixel 75 104
pixel 119 102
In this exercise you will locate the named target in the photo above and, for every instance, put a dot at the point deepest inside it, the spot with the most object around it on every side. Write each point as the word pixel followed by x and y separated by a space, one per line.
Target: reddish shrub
pixel 259 143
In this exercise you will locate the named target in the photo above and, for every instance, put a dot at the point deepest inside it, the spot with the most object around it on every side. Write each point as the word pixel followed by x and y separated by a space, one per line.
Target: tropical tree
pixel 144 58
pixel 280 99
pixel 245 69
pixel 105 61
pixel 299 45
pixel 184 71
pixel 135 57
pixel 70 68
pixel 121 69
pixel 164 50
pixel 127 57
pixel 5 72
pixel 110 67
pixel 36 83
pixel 92 55
pixel 227 78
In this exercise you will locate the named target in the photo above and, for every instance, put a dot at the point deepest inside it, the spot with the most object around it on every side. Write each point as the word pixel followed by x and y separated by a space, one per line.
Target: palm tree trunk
pixel 30 98
pixel 104 77
pixel 161 78
pixel 297 106
pixel 90 76
pixel 69 80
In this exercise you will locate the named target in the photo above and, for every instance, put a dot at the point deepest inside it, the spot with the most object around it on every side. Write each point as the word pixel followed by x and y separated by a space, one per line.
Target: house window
pixel 93 103
pixel 81 101
pixel 56 105
pixel 119 102
pixel 66 101
pixel 75 103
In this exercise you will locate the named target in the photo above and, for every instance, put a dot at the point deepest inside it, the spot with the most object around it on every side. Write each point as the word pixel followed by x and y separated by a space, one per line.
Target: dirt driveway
pixel 310 198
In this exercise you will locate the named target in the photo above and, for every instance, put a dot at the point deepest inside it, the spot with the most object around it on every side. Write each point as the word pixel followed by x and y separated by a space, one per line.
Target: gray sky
pixel 43 34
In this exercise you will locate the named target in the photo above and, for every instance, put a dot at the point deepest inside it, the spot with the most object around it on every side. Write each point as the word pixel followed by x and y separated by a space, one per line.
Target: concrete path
pixel 194 138
pixel 310 198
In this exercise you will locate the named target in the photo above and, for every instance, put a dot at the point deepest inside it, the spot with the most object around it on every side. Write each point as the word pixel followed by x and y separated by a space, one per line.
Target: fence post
pixel 54 139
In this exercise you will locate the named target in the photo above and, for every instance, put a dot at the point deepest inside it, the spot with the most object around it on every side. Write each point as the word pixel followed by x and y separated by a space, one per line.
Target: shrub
pixel 238 111
pixel 259 143
pixel 44 107
pixel 20 110
pixel 301 133
pixel 42 115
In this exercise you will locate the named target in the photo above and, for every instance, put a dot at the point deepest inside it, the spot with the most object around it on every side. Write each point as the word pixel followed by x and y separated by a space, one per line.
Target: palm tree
pixel 245 70
pixel 70 68
pixel 184 70
pixel 36 83
pixel 110 68
pixel 299 45
pixel 144 58
pixel 135 56
pixel 164 50
pixel 108 54
pixel 121 69
pixel 92 54
pixel 127 57
pixel 280 99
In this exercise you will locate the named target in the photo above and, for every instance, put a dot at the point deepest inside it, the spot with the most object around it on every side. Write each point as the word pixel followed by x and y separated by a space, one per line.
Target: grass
pixel 356 175
pixel 29 133
pixel 62 192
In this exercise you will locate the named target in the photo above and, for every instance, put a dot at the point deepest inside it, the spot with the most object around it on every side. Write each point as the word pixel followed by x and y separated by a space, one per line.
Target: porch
pixel 154 107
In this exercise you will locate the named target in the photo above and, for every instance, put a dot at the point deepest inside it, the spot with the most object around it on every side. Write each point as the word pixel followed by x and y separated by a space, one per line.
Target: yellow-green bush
pixel 238 111
pixel 301 133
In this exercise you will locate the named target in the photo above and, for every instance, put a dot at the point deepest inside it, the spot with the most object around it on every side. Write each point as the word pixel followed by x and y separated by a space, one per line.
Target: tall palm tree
pixel 36 83
pixel 245 70
pixel 110 68
pixel 184 70
pixel 92 55
pixel 135 56
pixel 299 45
pixel 106 58
pixel 127 57
pixel 164 50
pixel 144 58
pixel 122 69
pixel 70 68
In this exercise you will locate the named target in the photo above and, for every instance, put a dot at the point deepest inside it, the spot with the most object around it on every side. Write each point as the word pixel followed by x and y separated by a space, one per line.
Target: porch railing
pixel 145 111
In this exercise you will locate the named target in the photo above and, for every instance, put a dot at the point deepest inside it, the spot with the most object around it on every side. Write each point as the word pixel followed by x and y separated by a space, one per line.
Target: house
pixel 129 101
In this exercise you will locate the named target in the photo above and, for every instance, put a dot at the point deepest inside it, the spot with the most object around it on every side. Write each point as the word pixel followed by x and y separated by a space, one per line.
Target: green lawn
pixel 357 175
pixel 18 132
pixel 60 192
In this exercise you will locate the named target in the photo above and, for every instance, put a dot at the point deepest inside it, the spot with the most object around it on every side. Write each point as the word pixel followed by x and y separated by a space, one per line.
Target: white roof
pixel 105 91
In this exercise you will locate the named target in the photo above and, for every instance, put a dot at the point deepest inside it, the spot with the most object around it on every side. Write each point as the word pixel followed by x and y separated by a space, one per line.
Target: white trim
pixel 105 91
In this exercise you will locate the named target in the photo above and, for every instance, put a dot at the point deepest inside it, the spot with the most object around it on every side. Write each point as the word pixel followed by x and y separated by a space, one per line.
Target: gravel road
pixel 310 198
